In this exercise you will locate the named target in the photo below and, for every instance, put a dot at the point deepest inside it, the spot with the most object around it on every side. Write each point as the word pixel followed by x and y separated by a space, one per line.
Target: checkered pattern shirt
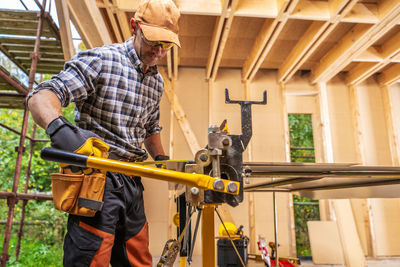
pixel 113 97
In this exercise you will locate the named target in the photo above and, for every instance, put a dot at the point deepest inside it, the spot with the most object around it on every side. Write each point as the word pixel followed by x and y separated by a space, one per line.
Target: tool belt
pixel 80 193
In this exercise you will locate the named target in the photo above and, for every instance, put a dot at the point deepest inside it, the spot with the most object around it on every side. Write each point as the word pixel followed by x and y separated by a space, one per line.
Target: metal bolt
pixel 231 187
pixel 203 157
pixel 195 191
pixel 218 185
pixel 225 142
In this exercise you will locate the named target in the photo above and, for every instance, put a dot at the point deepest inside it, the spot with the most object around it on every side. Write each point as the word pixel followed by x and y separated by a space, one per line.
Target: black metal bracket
pixel 247 128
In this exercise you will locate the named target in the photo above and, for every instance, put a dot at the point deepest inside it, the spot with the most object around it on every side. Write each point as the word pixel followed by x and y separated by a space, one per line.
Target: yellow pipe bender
pixel 202 181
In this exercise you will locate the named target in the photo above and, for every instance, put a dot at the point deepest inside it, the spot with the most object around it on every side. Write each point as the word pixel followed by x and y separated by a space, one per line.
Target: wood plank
pixel 216 37
pixel 265 39
pixel 113 21
pixel 356 122
pixel 180 114
pixel 175 61
pixel 362 13
pixel 65 29
pixel 391 129
pixel 123 21
pixel 390 75
pixel 325 123
pixel 362 71
pixel 302 46
pixel 371 54
pixel 352 250
pixel 359 38
pixel 325 242
pixel 312 10
pixel 89 23
pixel 18 14
pixel 314 36
pixel 257 8
pixel 29 32
pixel 224 38
pixel 6 40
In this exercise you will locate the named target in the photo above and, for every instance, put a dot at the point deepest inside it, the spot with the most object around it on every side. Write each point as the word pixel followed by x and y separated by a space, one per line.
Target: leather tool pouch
pixel 78 194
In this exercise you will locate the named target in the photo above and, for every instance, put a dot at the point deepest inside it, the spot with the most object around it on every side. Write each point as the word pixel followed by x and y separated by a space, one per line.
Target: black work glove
pixel 68 137
pixel 65 136
pixel 161 158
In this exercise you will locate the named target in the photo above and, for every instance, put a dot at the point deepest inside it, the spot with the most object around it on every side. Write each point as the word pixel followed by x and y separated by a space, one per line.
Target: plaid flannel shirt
pixel 113 97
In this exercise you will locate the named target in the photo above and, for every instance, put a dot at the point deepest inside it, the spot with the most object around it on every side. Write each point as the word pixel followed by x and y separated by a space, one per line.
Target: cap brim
pixel 153 33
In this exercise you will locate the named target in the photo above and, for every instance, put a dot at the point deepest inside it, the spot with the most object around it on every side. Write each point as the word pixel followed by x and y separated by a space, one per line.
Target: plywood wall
pixel 204 104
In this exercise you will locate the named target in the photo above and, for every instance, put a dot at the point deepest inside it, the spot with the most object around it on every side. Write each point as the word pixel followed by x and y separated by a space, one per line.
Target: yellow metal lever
pixel 201 181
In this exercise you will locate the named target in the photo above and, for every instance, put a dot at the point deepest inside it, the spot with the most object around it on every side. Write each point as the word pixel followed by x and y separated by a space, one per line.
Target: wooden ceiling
pixel 358 37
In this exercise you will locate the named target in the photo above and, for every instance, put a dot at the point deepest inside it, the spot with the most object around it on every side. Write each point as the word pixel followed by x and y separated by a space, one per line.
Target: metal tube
pixel 275 229
pixel 207 236
pixel 199 180
pixel 24 202
pixel 11 201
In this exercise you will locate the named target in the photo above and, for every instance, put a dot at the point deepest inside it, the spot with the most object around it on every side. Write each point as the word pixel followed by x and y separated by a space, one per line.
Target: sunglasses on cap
pixel 164 45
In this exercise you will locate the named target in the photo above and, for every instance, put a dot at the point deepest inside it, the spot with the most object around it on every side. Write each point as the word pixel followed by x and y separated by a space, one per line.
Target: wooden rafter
pixel 266 38
pixel 358 39
pixel 391 128
pixel 88 21
pixel 123 20
pixel 386 53
pixel 216 37
pixel 113 20
pixel 314 36
pixel 65 29
pixel 390 75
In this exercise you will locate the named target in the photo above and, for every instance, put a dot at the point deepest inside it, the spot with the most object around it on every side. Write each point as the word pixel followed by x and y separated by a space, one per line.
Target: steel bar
pixel 24 202
pixel 11 201
pixel 275 228
pixel 6 76
pixel 22 196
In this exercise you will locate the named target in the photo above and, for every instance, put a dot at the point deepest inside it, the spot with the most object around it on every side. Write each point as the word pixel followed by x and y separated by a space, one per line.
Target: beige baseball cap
pixel 158 20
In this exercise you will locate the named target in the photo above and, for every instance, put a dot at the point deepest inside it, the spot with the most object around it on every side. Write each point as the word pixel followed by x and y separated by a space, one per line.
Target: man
pixel 116 90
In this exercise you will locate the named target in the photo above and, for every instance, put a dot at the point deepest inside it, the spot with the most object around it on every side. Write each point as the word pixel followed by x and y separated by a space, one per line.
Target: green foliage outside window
pixel 302 150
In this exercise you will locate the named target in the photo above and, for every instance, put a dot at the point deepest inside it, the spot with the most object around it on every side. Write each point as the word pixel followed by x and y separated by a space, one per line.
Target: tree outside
pixel 302 150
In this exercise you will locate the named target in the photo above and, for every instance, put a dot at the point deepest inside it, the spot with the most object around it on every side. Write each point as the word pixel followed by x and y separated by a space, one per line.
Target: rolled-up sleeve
pixel 78 79
pixel 152 126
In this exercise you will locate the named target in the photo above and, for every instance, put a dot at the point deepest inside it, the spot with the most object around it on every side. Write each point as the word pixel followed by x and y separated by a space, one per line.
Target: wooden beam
pixel 123 21
pixel 175 62
pixel 169 64
pixel 216 37
pixel 266 38
pixel 224 37
pixel 313 37
pixel 113 21
pixel 358 39
pixel 65 29
pixel 179 113
pixel 391 129
pixel 325 123
pixel 390 75
pixel 362 71
pixel 89 23
pixel 356 121
pixel 352 250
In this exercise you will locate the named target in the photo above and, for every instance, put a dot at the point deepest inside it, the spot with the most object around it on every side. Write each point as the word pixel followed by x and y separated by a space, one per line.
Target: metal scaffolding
pixel 48 59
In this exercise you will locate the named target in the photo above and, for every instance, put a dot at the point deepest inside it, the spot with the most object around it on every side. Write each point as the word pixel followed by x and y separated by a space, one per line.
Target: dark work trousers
pixel 118 234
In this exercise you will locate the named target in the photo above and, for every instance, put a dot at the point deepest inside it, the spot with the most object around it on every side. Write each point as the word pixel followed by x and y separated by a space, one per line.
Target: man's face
pixel 150 55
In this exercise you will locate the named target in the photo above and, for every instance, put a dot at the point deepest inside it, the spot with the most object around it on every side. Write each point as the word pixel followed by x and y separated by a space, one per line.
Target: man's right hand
pixel 65 136
pixel 68 137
